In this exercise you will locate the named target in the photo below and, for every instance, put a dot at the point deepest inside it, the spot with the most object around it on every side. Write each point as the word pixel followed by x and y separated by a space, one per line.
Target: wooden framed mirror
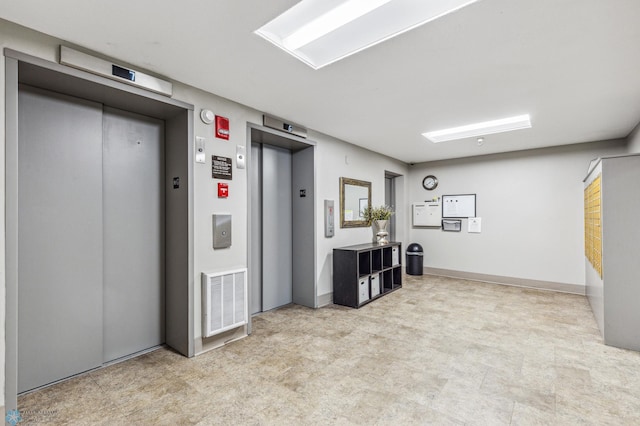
pixel 355 196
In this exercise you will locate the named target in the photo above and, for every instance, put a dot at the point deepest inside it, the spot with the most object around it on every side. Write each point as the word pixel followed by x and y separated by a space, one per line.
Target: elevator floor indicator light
pixel 123 73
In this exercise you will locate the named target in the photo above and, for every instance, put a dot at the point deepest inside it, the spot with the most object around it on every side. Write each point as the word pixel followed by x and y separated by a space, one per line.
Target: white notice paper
pixel 475 225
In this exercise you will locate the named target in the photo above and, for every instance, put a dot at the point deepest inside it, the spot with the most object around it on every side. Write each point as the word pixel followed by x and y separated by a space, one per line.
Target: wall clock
pixel 430 182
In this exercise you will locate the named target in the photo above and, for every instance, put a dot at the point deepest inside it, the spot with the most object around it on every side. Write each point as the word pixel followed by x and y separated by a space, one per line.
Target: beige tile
pixel 519 388
pixel 410 413
pixel 589 403
pixel 459 401
pixel 440 351
pixel 526 415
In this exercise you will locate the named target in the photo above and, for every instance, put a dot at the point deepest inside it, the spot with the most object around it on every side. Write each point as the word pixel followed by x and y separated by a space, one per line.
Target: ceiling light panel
pixel 330 21
pixel 320 32
pixel 480 129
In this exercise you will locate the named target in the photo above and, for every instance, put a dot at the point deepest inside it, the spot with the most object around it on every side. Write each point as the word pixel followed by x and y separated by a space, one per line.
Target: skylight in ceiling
pixel 320 32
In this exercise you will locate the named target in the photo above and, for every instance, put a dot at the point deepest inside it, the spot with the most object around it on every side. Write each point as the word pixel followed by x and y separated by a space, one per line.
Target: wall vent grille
pixel 224 301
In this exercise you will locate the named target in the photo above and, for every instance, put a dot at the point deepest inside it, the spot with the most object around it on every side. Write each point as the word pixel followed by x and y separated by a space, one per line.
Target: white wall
pixel 531 205
pixel 330 165
pixel 336 159
pixel 530 202
pixel 206 201
pixel 634 140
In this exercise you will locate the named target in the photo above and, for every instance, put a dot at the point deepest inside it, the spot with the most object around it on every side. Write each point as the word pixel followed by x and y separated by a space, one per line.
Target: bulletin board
pixel 463 205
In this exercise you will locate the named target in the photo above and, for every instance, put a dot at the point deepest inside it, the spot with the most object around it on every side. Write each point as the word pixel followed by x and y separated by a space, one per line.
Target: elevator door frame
pixel 304 217
pixel 390 199
pixel 179 208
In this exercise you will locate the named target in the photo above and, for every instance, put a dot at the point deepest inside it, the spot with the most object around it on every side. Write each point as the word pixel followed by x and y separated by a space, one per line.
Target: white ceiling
pixel 574 65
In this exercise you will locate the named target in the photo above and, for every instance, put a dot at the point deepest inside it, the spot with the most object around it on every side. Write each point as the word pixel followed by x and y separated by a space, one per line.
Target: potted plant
pixel 378 217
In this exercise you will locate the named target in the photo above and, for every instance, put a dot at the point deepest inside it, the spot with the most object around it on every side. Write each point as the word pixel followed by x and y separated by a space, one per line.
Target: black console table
pixel 365 272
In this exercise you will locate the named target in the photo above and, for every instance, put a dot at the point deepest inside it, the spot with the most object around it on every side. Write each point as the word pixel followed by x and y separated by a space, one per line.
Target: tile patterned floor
pixel 439 351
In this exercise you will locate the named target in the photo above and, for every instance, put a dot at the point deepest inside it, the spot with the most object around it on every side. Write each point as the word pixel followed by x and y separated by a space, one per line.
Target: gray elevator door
pixel 59 237
pixel 133 169
pixel 275 212
pixel 90 235
pixel 276 227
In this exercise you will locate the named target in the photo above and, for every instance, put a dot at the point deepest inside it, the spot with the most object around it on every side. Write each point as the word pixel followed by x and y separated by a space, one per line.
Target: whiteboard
pixel 459 205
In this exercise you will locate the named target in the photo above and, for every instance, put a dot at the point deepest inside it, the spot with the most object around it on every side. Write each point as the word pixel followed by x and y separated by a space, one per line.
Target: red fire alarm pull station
pixel 223 190
pixel 222 127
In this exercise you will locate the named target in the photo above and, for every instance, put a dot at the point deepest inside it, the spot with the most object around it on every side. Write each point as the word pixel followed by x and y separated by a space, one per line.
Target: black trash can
pixel 415 258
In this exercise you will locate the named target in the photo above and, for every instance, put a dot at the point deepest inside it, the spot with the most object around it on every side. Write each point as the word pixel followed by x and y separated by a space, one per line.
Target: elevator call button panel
pixel 221 231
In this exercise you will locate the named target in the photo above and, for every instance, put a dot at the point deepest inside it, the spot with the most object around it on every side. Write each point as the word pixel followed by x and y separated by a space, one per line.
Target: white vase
pixel 379 228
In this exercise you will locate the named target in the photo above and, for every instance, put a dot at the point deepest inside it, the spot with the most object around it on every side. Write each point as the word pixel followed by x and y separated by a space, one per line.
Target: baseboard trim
pixel 325 299
pixel 206 344
pixel 511 281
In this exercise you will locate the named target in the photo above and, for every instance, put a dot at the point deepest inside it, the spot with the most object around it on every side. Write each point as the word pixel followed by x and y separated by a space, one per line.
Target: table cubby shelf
pixel 365 272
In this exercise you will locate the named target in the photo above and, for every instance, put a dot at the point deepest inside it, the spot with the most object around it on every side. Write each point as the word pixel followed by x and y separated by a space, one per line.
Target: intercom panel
pixel 329 218
pixel 200 154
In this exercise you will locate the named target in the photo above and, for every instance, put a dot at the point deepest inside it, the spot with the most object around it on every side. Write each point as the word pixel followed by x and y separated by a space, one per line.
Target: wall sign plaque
pixel 221 167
